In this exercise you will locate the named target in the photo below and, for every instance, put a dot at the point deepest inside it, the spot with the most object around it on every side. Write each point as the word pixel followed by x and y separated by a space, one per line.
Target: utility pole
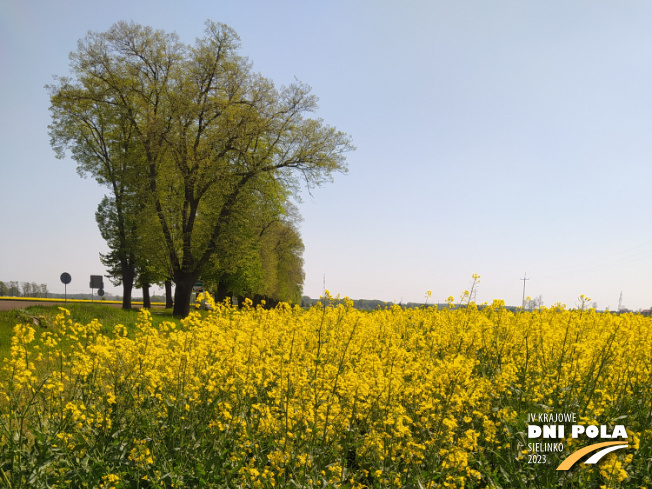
pixel 524 279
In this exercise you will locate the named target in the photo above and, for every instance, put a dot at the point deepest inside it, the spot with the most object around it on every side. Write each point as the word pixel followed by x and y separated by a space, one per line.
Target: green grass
pixel 42 317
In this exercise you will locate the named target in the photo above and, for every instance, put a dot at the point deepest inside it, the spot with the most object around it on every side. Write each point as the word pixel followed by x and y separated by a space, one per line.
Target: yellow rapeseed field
pixel 325 397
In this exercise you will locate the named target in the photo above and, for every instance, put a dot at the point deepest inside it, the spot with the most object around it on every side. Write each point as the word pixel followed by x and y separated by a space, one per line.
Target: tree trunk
pixel 127 286
pixel 147 302
pixel 168 294
pixel 222 292
pixel 183 282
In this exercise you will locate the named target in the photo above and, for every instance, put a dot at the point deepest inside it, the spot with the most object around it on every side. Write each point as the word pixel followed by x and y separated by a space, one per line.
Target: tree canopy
pixel 200 135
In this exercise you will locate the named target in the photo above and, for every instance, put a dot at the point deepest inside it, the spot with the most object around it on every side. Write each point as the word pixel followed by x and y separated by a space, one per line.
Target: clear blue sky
pixel 492 137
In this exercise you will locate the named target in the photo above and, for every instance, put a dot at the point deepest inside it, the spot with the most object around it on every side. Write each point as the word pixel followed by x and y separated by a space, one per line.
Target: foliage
pixel 120 255
pixel 201 131
pixel 101 141
pixel 328 397
pixel 261 257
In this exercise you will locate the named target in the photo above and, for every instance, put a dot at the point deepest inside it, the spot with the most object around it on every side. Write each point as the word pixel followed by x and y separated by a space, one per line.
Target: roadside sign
pixel 65 279
pixel 96 282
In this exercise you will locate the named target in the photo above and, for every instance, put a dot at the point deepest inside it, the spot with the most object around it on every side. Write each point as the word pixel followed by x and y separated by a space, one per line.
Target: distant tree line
pixel 373 304
pixel 23 289
pixel 200 156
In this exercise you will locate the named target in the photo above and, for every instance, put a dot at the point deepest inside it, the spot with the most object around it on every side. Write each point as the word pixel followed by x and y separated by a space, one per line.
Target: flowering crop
pixel 328 397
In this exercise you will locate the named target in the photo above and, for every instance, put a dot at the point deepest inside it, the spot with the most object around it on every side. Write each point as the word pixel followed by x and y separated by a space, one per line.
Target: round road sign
pixel 65 278
pixel 100 292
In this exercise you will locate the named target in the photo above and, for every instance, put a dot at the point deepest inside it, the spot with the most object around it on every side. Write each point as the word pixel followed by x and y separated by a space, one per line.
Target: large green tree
pixel 285 257
pixel 133 258
pixel 102 141
pixel 260 255
pixel 117 227
pixel 210 131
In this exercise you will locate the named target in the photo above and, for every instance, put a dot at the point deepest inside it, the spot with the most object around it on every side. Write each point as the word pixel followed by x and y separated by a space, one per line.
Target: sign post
pixel 65 279
pixel 96 283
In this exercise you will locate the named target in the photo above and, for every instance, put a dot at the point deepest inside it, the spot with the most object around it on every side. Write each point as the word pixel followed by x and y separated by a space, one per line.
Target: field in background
pixel 43 315
pixel 8 303
pixel 325 397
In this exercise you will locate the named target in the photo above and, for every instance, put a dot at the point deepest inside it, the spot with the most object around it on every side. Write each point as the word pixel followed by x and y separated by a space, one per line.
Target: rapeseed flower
pixel 328 396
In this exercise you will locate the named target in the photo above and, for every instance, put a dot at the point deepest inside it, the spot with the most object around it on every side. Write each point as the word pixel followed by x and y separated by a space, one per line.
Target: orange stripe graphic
pixel 568 463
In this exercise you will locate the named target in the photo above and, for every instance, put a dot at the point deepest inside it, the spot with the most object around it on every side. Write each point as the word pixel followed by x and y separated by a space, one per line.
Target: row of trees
pixel 200 155
pixel 26 289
